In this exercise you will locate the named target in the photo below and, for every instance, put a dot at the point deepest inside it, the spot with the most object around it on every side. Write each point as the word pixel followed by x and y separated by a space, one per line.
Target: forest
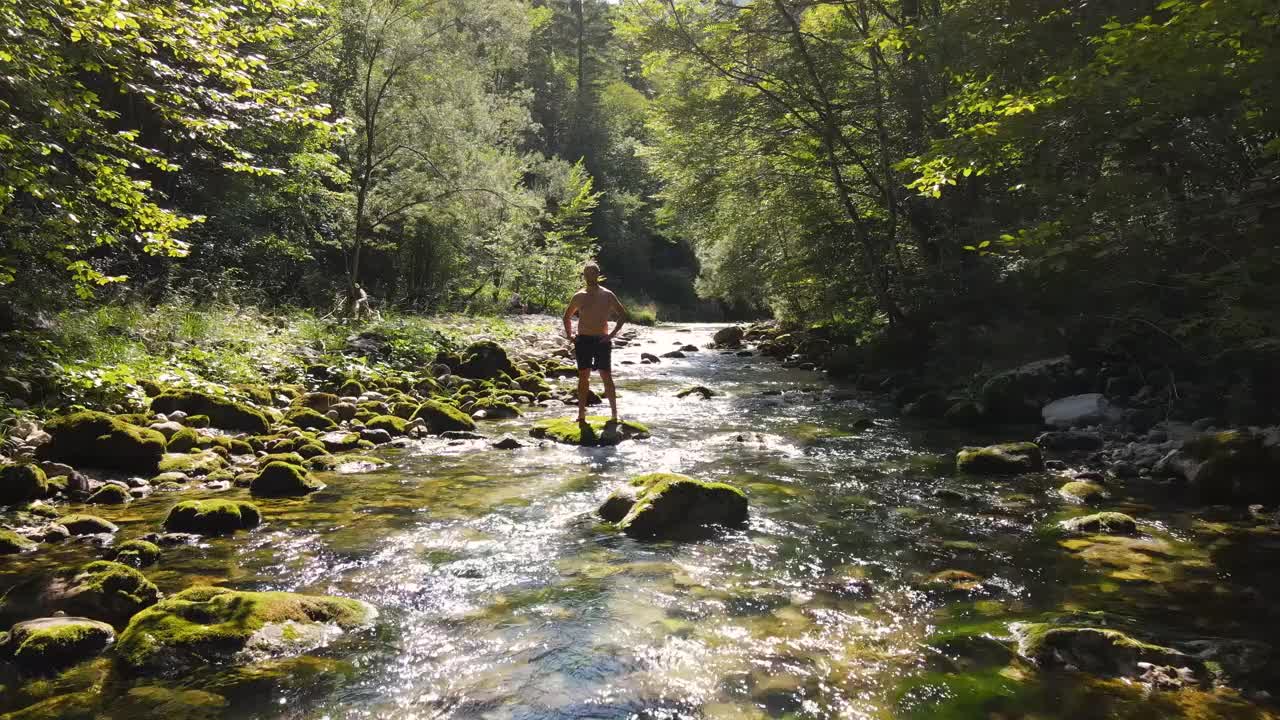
pixel 946 379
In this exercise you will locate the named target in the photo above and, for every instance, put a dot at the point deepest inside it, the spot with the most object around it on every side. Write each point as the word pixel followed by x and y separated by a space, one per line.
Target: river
pixel 501 596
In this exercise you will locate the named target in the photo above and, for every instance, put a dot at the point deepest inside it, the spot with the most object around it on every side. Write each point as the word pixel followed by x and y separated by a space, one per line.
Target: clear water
pixel 502 597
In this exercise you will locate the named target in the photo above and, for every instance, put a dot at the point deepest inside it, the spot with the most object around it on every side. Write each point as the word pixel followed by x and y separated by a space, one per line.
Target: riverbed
pixel 502 596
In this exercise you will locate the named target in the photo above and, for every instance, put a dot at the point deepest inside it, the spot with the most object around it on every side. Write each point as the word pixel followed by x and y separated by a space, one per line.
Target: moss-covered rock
pixel 351 388
pixel 441 417
pixel 596 431
pixel 532 384
pixel 207 624
pixel 1237 467
pixel 485 360
pixel 1083 491
pixel 11 543
pixel 1004 459
pixel 96 439
pixel 1096 650
pixel 281 479
pixel 183 441
pixel 212 517
pixel 672 506
pixel 339 441
pixel 136 553
pixel 198 421
pixel 1103 523
pixel 309 419
pixel 46 645
pixel 700 390
pixel 21 483
pixel 110 494
pixel 494 409
pixel 192 464
pixel 103 590
pixel 285 457
pixel 222 412
pixel 82 524
pixel 950 584
pixel 346 464
pixel 389 423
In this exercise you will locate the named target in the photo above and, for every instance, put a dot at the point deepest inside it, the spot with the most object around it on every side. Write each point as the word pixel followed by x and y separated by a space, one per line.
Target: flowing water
pixel 501 596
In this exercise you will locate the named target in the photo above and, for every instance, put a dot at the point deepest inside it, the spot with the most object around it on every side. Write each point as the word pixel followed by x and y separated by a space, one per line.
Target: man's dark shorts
pixel 594 352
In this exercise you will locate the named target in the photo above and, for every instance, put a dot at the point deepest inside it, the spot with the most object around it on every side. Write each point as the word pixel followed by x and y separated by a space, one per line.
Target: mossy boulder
pixel 1102 651
pixel 672 506
pixel 309 419
pixel 441 417
pixel 21 483
pixel 222 412
pixel 596 431
pixel 281 479
pixel 494 409
pixel 1083 491
pixel 533 384
pixel 389 423
pixel 11 543
pixel 136 553
pixel 96 439
pixel 351 388
pixel 46 645
pixel 339 441
pixel 1234 467
pixel 103 590
pixel 1103 523
pixel 203 625
pixel 82 524
pixel 485 360
pixel 346 464
pixel 183 441
pixel 192 464
pixel 285 457
pixel 110 494
pixel 212 517
pixel 1004 459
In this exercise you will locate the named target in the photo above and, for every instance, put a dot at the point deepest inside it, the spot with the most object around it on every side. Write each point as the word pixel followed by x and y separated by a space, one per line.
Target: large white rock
pixel 1079 410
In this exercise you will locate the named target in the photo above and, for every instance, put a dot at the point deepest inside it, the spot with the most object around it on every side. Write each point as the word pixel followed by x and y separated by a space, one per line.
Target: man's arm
pixel 623 316
pixel 568 316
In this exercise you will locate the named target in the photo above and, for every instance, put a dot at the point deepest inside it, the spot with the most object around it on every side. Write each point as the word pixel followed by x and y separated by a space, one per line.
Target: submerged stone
pixel 1096 650
pixel 46 645
pixel 96 439
pixel 346 464
pixel 672 506
pixel 212 517
pixel 596 431
pixel 208 624
pixel 1005 459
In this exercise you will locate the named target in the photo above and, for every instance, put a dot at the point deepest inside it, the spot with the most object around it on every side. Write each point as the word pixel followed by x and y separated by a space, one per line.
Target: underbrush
pixel 101 357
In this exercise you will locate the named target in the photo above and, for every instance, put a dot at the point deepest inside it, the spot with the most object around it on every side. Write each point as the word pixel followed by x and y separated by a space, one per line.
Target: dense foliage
pixel 989 179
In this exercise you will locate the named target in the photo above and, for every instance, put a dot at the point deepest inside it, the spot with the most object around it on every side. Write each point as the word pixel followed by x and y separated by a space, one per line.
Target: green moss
pixel 111 591
pixel 318 401
pixel 41 509
pixel 95 439
pixel 20 483
pixel 241 447
pixel 289 457
pixel 596 431
pixel 309 419
pixel 1006 459
pixel 81 705
pixel 531 383
pixel 339 442
pixel 352 388
pixel 194 464
pixel 212 517
pixel 1091 649
pixel 281 479
pixel 206 624
pixel 197 421
pixel 1108 523
pixel 183 441
pixel 1083 491
pixel 496 409
pixel 260 394
pixel 222 412
pixel 441 417
pixel 51 644
pixel 700 390
pixel 81 524
pixel 136 553
pixel 669 505
pixel 390 423
pixel 12 543
pixel 110 494
pixel 330 463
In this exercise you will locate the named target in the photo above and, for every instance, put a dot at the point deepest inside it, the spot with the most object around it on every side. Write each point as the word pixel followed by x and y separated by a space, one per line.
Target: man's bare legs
pixel 584 391
pixel 609 392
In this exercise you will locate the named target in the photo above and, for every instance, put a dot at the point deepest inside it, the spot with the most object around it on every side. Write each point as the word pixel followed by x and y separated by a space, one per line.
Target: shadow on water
pixel 502 597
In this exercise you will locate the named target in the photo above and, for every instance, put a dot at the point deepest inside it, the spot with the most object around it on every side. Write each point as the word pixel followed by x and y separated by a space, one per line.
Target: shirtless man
pixel 593 342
